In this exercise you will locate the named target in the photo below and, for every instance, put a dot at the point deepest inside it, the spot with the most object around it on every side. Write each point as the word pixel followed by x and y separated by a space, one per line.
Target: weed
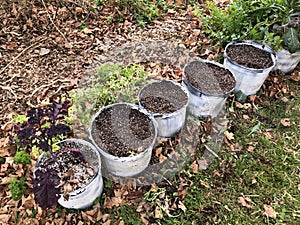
pixel 22 158
pixel 143 11
pixel 17 188
pixel 2 160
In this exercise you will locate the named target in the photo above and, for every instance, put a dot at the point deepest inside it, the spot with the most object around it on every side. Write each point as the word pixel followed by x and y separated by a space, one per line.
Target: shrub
pixel 252 20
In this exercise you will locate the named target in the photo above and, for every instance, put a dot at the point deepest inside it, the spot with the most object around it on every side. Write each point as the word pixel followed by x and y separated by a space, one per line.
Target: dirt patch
pixel 250 56
pixel 163 97
pixel 209 78
pixel 123 131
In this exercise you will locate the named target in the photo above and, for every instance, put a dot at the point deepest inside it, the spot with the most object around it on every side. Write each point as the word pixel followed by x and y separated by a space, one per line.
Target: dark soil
pixel 249 56
pixel 163 97
pixel 209 78
pixel 123 131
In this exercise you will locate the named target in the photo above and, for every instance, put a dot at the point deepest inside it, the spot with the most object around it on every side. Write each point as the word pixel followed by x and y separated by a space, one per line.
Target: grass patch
pixel 263 170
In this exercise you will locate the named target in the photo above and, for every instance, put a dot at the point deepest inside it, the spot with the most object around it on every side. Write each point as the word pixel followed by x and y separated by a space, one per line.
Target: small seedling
pixel 17 188
pixel 22 157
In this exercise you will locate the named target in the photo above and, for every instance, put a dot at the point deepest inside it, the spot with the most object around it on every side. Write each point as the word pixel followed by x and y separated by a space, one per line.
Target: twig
pixel 46 85
pixel 14 59
pixel 53 21
pixel 9 89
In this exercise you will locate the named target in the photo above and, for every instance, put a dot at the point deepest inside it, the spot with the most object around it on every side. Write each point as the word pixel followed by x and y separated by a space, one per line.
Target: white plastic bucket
pixel 248 80
pixel 168 123
pixel 124 166
pixel 201 103
pixel 84 196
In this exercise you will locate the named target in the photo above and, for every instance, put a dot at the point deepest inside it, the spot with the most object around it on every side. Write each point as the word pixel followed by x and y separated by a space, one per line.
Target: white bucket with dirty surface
pixel 249 80
pixel 200 102
pixel 124 166
pixel 84 196
pixel 175 96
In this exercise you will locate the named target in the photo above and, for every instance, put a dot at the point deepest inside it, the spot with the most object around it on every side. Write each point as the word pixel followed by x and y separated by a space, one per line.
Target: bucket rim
pixel 260 45
pixel 165 115
pixel 199 92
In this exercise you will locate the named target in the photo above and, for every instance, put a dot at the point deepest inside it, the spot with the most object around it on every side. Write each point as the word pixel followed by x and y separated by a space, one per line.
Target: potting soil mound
pixel 209 78
pixel 163 97
pixel 249 56
pixel 122 131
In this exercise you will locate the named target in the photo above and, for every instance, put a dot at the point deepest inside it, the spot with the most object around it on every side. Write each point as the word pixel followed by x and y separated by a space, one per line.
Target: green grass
pixel 267 174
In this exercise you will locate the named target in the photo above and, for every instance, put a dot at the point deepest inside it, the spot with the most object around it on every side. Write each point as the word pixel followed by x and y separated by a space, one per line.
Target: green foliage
pixel 112 82
pixel 120 83
pixel 245 20
pixel 22 158
pixel 21 119
pixel 17 188
pixel 143 11
pixel 2 160
pixel 291 39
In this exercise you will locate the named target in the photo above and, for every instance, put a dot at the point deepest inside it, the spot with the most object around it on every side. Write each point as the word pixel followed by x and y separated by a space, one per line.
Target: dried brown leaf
pixel 250 148
pixel 286 122
pixel 44 51
pixel 195 167
pixel 144 219
pixel 182 206
pixel 284 99
pixel 244 203
pixel 4 218
pixel 269 212
pixel 157 213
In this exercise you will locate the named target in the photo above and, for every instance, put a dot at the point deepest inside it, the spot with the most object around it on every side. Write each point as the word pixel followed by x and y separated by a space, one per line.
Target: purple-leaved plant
pixel 42 126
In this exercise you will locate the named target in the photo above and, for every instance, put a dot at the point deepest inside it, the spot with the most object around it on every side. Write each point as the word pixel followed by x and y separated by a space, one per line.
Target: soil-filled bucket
pixel 167 102
pixel 209 85
pixel 125 135
pixel 84 196
pixel 250 62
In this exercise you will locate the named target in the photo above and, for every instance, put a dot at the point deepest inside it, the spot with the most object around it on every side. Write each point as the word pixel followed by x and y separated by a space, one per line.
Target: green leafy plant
pixel 17 188
pixel 110 83
pixel 252 20
pixel 22 158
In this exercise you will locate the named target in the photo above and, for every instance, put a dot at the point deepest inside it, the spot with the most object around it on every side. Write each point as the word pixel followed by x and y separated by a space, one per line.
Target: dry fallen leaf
pixel 284 99
pixel 195 167
pixel 269 212
pixel 229 135
pixel 244 203
pixel 202 164
pixel 253 180
pixel 144 220
pixel 205 184
pixel 250 148
pixel 157 213
pixel 181 206
pixel 285 122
